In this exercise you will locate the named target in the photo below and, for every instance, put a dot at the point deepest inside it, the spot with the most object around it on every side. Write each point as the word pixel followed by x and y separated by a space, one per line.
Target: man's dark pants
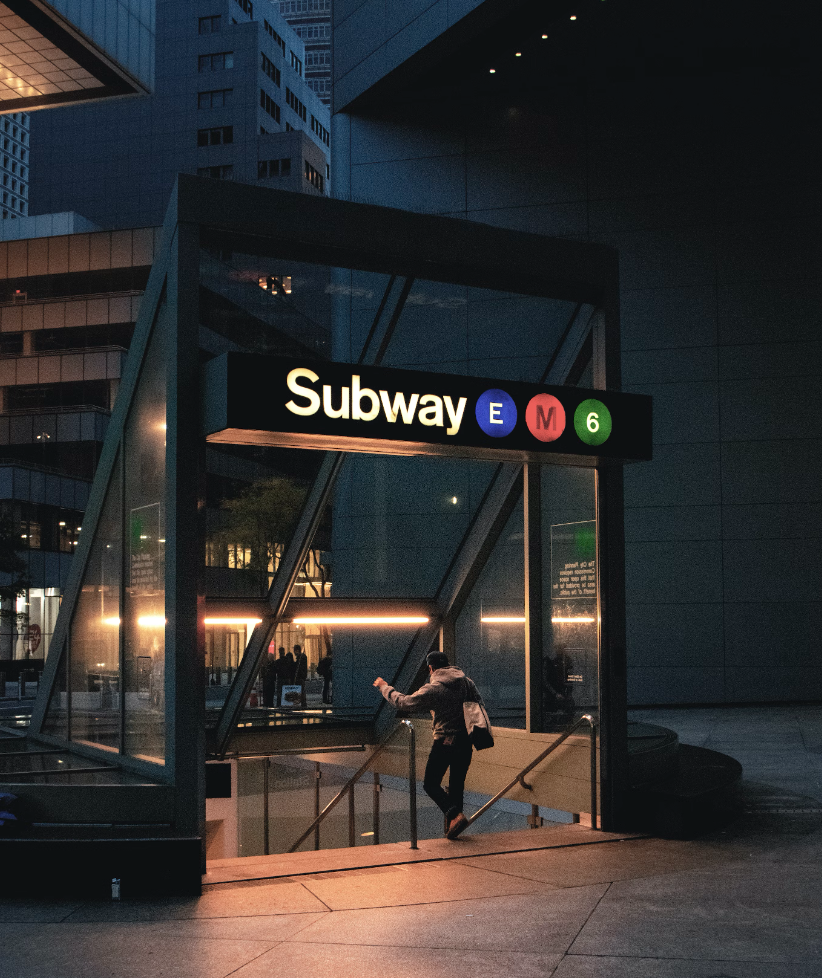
pixel 457 757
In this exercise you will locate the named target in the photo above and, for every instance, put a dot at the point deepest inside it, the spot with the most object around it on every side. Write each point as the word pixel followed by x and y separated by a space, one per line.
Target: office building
pixel 69 298
pixel 14 135
pixel 311 22
pixel 229 102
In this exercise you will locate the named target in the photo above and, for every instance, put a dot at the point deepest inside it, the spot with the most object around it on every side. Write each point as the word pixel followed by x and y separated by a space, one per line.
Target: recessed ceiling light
pixel 545 37
pixel 573 16
pixel 519 54
pixel 492 71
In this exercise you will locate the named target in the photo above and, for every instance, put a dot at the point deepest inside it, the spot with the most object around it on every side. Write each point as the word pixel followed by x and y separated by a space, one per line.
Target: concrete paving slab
pixel 269 929
pixel 544 925
pixel 577 966
pixel 750 913
pixel 395 886
pixel 101 950
pixel 582 866
pixel 257 899
pixel 360 857
pixel 302 961
pixel 35 911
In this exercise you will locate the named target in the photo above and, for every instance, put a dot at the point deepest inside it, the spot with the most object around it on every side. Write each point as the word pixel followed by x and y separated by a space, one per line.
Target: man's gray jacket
pixel 443 695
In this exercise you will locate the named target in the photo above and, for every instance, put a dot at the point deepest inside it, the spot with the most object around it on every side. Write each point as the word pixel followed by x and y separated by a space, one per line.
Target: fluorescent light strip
pixel 365 620
pixel 511 620
pixel 248 622
pixel 152 621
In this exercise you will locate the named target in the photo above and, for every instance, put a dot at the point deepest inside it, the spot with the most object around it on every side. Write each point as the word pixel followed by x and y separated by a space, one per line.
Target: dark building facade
pixel 229 102
pixel 678 134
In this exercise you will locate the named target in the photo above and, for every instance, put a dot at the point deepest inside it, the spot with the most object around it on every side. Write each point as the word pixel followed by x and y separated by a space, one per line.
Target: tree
pixel 258 523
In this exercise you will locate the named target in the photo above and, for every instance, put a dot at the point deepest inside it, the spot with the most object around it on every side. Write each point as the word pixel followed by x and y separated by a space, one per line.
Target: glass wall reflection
pixel 94 635
pixel 144 619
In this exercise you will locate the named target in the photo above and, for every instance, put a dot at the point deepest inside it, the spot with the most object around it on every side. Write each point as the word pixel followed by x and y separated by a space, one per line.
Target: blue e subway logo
pixel 496 413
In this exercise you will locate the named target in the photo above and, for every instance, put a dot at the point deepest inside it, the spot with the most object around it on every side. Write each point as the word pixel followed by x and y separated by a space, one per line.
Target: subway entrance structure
pixel 366 432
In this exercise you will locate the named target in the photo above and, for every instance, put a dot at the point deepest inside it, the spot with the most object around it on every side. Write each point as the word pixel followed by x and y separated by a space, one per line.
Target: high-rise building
pixel 230 102
pixel 311 22
pixel 14 132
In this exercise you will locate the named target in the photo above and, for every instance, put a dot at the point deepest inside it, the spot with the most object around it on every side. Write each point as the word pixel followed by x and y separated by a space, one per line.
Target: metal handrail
pixel 586 718
pixel 349 787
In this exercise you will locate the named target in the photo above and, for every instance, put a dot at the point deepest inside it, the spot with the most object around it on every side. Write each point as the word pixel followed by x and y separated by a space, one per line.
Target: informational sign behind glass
pixel 315 404
pixel 574 612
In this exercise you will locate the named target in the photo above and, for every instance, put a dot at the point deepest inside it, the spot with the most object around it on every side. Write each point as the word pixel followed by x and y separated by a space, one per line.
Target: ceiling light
pixel 492 71
pixel 518 54
pixel 151 621
pixel 545 37
pixel 363 620
pixel 569 620
pixel 573 17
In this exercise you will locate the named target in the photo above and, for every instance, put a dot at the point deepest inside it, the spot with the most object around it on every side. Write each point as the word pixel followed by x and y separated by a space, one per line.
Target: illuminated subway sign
pixel 429 410
pixel 266 400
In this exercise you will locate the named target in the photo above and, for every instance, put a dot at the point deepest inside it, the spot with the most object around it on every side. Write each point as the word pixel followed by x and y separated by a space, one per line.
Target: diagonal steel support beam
pixel 483 533
pixel 296 551
pixel 476 547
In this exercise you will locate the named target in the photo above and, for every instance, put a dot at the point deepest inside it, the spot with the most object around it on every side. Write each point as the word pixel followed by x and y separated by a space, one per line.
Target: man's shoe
pixel 458 824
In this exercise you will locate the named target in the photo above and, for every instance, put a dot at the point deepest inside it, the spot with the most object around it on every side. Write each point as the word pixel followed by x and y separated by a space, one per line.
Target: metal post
pixel 352 841
pixel 412 781
pixel 376 825
pixel 593 776
pixel 266 841
pixel 317 776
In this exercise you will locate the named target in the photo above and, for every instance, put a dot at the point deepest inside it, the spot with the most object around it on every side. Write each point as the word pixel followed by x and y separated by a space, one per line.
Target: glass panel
pixel 94 632
pixel 570 610
pixel 144 442
pixel 56 719
pixel 490 632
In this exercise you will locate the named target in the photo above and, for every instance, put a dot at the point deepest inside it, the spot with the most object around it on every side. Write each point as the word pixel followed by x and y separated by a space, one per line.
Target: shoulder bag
pixel 476 719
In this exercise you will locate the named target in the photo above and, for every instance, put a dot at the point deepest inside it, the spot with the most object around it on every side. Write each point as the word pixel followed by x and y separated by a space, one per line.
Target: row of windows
pixel 296 64
pixel 313 32
pixel 271 70
pixel 18 187
pixel 210 25
pixel 16 132
pixel 9 200
pixel 277 39
pixel 44 527
pixel 305 6
pixel 14 149
pixel 215 62
pixel 314 177
pixel 320 86
pixel 318 128
pixel 216 136
pixel 270 106
pixel 225 172
pixel 23 170
pixel 246 6
pixel 16 205
pixel 215 99
pixel 295 104
pixel 273 168
pixel 318 59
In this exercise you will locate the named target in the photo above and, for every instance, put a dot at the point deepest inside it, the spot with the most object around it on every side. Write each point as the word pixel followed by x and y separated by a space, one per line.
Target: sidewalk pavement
pixel 743 902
